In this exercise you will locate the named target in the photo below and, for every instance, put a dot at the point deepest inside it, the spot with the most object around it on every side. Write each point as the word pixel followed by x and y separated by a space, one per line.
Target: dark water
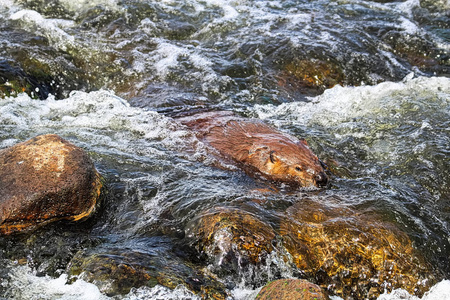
pixel 366 83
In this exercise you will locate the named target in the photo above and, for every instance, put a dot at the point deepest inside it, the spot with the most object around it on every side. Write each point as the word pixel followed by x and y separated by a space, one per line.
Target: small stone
pixel 289 289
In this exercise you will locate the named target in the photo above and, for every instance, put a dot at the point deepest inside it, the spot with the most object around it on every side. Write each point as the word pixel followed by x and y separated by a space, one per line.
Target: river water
pixel 366 83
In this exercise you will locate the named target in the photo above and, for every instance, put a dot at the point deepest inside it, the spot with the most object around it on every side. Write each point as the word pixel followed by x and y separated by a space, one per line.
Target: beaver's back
pixel 258 146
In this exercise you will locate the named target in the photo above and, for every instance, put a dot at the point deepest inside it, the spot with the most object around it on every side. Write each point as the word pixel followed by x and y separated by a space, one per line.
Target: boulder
pixel 45 179
pixel 289 289
pixel 353 254
pixel 116 271
pixel 231 238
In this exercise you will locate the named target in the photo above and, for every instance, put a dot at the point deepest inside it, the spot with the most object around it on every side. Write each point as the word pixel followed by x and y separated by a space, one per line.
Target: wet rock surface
pixel 116 271
pixel 310 76
pixel 355 254
pixel 260 59
pixel 14 80
pixel 290 289
pixel 328 47
pixel 45 179
pixel 231 239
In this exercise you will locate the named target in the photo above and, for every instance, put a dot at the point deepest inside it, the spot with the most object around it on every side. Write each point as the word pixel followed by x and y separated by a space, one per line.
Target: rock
pixel 352 254
pixel 289 289
pixel 43 180
pixel 14 80
pixel 435 5
pixel 420 52
pixel 231 238
pixel 116 271
pixel 311 76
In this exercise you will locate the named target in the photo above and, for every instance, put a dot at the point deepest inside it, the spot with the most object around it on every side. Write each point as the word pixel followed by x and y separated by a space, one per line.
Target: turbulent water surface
pixel 366 83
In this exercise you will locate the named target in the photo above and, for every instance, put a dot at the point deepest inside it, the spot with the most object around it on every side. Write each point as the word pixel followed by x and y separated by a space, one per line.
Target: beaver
pixel 259 148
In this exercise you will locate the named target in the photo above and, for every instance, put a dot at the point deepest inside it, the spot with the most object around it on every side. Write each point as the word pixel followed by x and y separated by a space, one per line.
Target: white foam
pixel 440 291
pixel 229 11
pixel 372 113
pixel 79 5
pixel 53 29
pixel 161 293
pixel 408 6
pixel 300 18
pixel 340 105
pixel 408 26
pixel 7 5
pixel 8 143
pixel 170 58
pixel 245 294
pixel 24 284
pixel 104 120
pixel 166 57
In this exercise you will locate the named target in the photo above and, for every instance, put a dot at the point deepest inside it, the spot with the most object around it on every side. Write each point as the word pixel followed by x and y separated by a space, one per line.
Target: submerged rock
pixel 116 271
pixel 231 238
pixel 287 289
pixel 311 76
pixel 352 254
pixel 45 179
pixel 419 52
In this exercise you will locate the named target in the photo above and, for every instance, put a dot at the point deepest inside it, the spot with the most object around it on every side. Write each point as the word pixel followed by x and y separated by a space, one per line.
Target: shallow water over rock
pixel 365 83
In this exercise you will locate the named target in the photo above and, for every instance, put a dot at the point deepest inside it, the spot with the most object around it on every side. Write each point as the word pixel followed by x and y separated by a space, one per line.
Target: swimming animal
pixel 259 148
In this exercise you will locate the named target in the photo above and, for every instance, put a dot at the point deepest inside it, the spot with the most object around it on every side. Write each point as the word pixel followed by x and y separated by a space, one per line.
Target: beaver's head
pixel 288 161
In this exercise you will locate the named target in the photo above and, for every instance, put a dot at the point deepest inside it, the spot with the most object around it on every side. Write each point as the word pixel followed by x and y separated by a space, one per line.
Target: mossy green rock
pixel 116 271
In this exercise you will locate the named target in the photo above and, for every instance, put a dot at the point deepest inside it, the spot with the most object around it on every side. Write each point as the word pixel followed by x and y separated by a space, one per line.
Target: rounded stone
pixel 45 179
pixel 230 237
pixel 291 289
pixel 353 254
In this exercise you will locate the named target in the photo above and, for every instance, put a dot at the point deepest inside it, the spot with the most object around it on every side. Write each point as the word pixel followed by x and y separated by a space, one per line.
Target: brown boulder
pixel 231 238
pixel 352 254
pixel 291 289
pixel 45 179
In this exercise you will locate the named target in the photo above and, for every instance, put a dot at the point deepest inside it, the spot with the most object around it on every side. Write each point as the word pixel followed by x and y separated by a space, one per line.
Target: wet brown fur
pixel 260 148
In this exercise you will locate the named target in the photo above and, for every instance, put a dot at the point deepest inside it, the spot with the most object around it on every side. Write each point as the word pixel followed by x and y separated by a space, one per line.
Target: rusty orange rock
pixel 289 289
pixel 352 254
pixel 259 148
pixel 227 235
pixel 45 179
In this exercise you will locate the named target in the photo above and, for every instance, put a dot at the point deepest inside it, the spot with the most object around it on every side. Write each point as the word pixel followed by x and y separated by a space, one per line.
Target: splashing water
pixel 366 83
